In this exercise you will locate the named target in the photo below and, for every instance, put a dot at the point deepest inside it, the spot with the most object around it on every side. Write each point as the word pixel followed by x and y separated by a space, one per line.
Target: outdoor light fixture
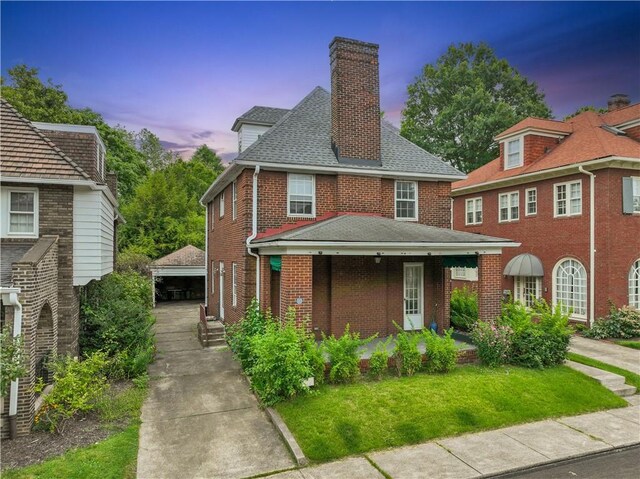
pixel 377 259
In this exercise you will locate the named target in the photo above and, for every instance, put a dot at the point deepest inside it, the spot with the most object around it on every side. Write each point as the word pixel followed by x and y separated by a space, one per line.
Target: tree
pixel 208 157
pixel 38 101
pixel 155 155
pixel 582 109
pixel 457 106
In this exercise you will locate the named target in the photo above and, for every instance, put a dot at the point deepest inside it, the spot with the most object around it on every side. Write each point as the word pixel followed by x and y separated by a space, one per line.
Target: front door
pixel 221 289
pixel 413 296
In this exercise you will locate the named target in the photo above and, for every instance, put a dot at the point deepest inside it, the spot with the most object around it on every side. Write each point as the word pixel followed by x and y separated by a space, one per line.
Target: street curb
pixel 288 438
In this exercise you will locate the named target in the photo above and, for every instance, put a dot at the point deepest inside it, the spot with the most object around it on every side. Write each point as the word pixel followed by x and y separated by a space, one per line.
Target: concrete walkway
pixel 200 419
pixel 492 452
pixel 625 358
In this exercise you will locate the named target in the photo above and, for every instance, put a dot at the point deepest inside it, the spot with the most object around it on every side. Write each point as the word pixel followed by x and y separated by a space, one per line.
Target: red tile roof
pixel 552 126
pixel 623 115
pixel 587 141
pixel 26 152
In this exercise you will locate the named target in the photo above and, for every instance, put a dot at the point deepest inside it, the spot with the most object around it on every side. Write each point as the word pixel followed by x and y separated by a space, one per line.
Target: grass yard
pixel 631 378
pixel 628 344
pixel 338 421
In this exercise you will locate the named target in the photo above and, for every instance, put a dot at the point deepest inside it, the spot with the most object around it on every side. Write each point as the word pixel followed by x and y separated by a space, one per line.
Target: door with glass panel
pixel 413 296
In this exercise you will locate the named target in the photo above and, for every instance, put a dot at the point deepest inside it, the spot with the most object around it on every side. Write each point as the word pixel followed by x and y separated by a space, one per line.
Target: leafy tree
pixel 582 109
pixel 207 156
pixel 155 155
pixel 458 105
pixel 38 101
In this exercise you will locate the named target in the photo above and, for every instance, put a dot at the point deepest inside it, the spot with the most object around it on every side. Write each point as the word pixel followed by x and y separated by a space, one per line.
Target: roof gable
pixel 187 256
pixel 260 115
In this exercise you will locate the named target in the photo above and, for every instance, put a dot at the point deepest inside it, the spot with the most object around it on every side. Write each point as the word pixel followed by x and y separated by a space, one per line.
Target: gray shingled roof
pixel 262 115
pixel 376 229
pixel 187 256
pixel 11 253
pixel 303 137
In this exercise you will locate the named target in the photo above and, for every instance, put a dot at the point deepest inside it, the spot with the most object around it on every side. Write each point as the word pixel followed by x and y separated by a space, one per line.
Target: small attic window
pixel 513 153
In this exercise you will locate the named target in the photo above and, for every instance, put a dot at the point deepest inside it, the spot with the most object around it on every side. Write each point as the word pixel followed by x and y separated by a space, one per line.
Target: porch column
pixel 489 286
pixel 296 283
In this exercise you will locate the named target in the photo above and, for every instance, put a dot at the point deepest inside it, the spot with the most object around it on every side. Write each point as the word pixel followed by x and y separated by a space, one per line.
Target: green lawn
pixel 628 344
pixel 631 378
pixel 337 421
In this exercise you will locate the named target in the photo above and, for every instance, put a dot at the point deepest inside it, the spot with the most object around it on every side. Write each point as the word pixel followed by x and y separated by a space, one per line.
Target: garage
pixel 179 276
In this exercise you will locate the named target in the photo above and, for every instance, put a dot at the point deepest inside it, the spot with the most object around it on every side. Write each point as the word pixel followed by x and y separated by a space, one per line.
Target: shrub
pixel 493 342
pixel 464 308
pixel 379 360
pixel 441 351
pixel 344 355
pixel 240 334
pixel 281 360
pixel 407 357
pixel 132 262
pixel 11 359
pixel 116 319
pixel 78 387
pixel 623 323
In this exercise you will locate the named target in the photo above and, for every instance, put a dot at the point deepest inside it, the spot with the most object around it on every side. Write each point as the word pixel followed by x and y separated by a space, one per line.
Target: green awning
pixel 460 261
pixel 276 262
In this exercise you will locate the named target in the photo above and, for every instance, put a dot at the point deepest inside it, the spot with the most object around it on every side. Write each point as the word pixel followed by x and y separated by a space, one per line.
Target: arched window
pixel 634 285
pixel 570 287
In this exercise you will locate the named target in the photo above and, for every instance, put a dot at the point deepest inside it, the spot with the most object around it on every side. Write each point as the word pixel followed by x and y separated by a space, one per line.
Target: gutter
pixel 254 229
pixel 17 330
pixel 592 244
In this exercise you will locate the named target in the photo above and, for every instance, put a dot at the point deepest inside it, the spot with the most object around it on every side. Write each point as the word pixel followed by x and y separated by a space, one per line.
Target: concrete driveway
pixel 200 419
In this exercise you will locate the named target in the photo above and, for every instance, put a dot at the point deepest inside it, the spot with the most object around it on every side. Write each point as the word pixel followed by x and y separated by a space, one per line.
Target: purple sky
pixel 187 70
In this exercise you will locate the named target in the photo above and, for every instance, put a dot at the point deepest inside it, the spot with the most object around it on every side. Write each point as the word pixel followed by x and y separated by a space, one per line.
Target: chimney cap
pixel 343 40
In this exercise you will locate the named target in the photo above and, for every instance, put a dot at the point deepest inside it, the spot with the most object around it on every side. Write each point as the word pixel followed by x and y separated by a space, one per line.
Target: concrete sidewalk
pixel 620 356
pixel 492 452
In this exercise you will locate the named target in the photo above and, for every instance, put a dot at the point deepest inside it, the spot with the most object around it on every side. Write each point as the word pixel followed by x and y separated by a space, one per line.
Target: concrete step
pixel 613 382
pixel 217 342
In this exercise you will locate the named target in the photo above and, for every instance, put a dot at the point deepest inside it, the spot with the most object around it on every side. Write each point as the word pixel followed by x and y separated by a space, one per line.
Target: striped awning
pixel 524 264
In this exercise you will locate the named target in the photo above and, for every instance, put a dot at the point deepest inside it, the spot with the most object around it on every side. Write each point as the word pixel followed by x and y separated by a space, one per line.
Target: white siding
pixel 248 135
pixel 93 235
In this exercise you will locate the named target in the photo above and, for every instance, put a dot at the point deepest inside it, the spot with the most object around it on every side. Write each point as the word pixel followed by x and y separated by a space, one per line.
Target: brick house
pixel 569 192
pixel 329 210
pixel 57 233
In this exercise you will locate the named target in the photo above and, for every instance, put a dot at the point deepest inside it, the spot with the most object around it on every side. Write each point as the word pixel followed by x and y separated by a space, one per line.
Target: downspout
pixel 13 394
pixel 254 229
pixel 592 244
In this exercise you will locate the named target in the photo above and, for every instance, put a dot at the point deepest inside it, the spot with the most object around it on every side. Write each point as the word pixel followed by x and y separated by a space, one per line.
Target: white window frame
pixel 415 201
pixel 294 176
pixel 527 202
pixel 7 213
pixel 575 316
pixel 510 206
pixel 519 139
pixel 234 284
pixel 221 204
pixel 634 284
pixel 635 192
pixel 464 274
pixel 567 199
pixel 474 210
pixel 519 283
pixel 234 200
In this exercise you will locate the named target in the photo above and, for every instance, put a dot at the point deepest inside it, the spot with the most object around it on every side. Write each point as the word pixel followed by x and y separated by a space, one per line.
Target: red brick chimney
pixel 355 101
pixel 617 101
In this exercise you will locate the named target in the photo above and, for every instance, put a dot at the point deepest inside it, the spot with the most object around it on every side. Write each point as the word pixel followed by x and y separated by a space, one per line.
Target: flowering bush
pixel 494 342
pixel 623 323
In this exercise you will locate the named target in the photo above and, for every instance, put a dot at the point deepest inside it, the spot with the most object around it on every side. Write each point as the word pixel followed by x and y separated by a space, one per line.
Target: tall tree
pixel 582 109
pixel 208 157
pixel 38 101
pixel 458 105
pixel 155 155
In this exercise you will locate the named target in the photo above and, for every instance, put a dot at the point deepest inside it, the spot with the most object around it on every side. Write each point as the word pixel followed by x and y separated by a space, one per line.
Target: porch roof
pixel 369 234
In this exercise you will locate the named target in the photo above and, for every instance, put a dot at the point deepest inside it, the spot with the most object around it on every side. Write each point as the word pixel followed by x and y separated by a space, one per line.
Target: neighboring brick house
pixel 329 210
pixel 569 192
pixel 57 233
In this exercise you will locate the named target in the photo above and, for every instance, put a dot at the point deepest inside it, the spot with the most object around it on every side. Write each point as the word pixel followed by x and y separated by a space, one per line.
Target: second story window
pixel 406 200
pixel 532 201
pixel 22 212
pixel 513 153
pixel 567 199
pixel 509 204
pixel 221 206
pixel 636 194
pixel 301 195
pixel 473 211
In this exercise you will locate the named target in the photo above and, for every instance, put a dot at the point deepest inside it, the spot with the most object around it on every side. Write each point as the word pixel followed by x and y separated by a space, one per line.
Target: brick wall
pixel 296 279
pixel 633 132
pixel 80 147
pixel 489 282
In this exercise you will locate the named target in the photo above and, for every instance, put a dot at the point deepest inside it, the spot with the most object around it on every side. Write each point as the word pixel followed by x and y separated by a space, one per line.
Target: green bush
pixel 379 360
pixel 78 387
pixel 493 343
pixel 622 323
pixel 130 261
pixel 344 356
pixel 406 354
pixel 116 318
pixel 441 351
pixel 281 360
pixel 464 308
pixel 11 359
pixel 240 334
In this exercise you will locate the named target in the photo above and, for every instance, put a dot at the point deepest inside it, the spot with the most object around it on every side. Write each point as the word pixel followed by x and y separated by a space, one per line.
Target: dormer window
pixel 513 154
